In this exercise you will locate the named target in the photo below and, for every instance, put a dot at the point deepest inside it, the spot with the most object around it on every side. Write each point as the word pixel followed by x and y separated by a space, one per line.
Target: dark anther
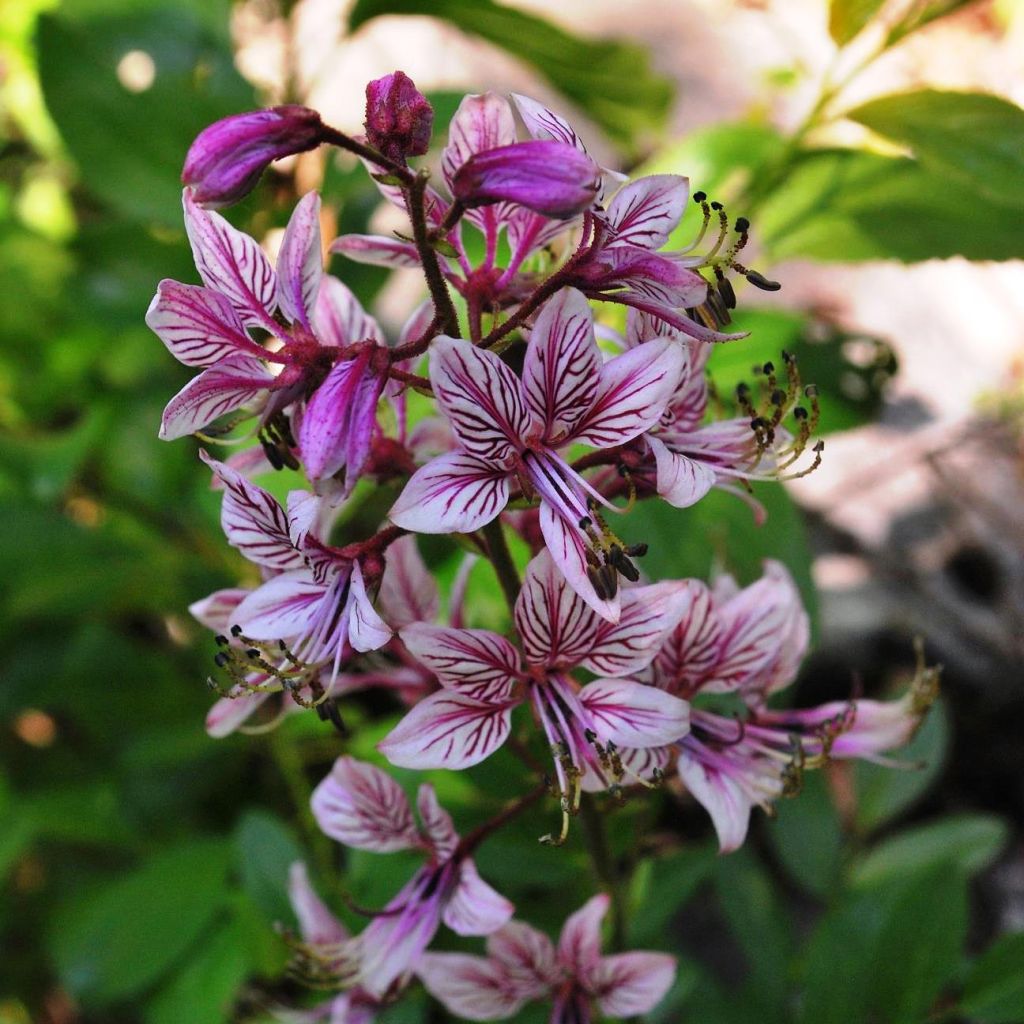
pixel 236 630
pixel 273 455
pixel 636 550
pixel 220 659
pixel 252 652
pixel 628 569
pixel 768 368
pixel 778 396
pixel 610 579
pixel 758 423
pixel 282 645
pixel 328 712
pixel 819 447
pixel 220 640
pixel 788 357
pixel 799 413
pixel 596 578
pixel 725 289
pixel 586 523
pixel 716 206
pixel 762 282
pixel 590 735
pixel 742 224
pixel 742 389
pixel 699 197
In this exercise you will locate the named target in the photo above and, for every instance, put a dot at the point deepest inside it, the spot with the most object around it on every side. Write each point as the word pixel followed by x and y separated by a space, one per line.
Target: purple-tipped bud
pixel 227 158
pixel 545 176
pixel 399 119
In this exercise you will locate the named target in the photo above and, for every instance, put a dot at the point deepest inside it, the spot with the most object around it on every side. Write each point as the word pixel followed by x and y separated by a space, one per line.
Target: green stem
pixel 501 559
pixel 605 870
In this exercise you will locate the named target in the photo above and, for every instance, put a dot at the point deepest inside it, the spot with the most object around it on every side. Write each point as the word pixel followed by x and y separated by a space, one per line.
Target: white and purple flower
pixel 523 965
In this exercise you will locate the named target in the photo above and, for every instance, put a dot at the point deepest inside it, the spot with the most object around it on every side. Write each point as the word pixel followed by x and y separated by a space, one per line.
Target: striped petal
pixel 317 924
pixel 199 326
pixel 692 649
pixel 475 908
pixel 339 319
pixel 216 611
pixel 644 212
pixel 300 263
pixel 253 521
pixel 437 823
pixel 527 957
pixel 232 383
pixel 228 713
pixel 367 631
pixel 629 984
pixel 447 730
pixel 470 987
pixel 632 395
pixel 562 368
pixel 579 945
pixel 634 715
pixel 283 608
pixel 408 592
pixel 453 493
pixel 482 399
pixel 473 662
pixel 680 480
pixel 232 263
pixel 483 121
pixel 377 250
pixel 362 806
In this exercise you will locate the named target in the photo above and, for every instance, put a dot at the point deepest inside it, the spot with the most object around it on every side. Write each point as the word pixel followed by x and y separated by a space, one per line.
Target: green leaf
pixel 807 836
pixel 883 793
pixel 973 137
pixel 844 205
pixel 611 81
pixel 994 990
pixel 847 17
pixel 266 850
pixel 130 145
pixel 208 983
pixel 920 946
pixel 970 842
pixel 921 13
pixel 661 887
pixel 129 934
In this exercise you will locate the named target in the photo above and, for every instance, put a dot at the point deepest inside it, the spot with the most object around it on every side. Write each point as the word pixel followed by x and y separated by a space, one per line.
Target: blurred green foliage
pixel 145 863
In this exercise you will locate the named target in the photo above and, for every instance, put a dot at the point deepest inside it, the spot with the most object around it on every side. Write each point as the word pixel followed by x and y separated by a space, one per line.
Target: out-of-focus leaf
pixel 208 983
pixel 660 888
pixel 994 990
pixel 129 933
pixel 970 136
pixel 807 836
pixel 922 13
pixel 847 17
pixel 844 205
pixel 920 946
pixel 720 532
pixel 266 850
pixel 969 842
pixel 129 139
pixel 611 81
pixel 79 814
pixel 883 793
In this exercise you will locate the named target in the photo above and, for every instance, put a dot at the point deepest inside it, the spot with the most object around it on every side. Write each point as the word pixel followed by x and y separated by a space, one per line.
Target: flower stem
pixel 604 866
pixel 415 197
pixel 470 842
pixel 501 559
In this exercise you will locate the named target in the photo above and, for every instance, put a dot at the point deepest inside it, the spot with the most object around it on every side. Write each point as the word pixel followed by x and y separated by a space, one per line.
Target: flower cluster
pixel 542 420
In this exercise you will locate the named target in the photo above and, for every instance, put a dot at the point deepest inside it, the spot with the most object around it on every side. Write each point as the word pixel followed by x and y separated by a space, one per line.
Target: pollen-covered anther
pixel 793 774
pixel 608 557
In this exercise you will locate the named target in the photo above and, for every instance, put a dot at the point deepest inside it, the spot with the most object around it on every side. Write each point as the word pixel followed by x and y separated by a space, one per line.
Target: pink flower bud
pixel 227 158
pixel 399 119
pixel 545 176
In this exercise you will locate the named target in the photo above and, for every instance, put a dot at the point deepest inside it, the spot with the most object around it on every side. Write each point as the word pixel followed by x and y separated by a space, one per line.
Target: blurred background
pixel 143 863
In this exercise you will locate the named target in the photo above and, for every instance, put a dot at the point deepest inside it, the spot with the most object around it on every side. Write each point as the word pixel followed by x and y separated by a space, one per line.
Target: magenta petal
pixel 680 480
pixel 228 713
pixel 473 662
pixel 232 263
pixel 199 326
pixel 721 795
pixel 475 908
pixel 253 521
pixel 556 626
pixel 632 714
pixel 447 730
pixel 283 608
pixel 629 984
pixel 482 399
pixel 360 805
pixel 562 368
pixel 300 262
pixel 408 592
pixel 339 319
pixel 692 649
pixel 634 389
pixel 367 631
pixel 437 823
pixel 317 924
pixel 454 493
pixel 542 123
pixel 649 614
pixel 527 957
pixel 470 987
pixel 224 387
pixel 568 546
pixel 215 612
pixel 377 250
pixel 483 121
pixel 579 946
pixel 644 212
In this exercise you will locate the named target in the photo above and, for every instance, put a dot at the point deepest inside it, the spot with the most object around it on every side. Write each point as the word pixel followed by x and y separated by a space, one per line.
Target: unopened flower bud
pixel 399 119
pixel 545 176
pixel 227 158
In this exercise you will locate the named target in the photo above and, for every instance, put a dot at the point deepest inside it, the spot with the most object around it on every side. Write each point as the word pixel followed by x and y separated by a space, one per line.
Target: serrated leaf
pixel 612 81
pixel 969 842
pixel 994 989
pixel 128 934
pixel 847 17
pixel 973 137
